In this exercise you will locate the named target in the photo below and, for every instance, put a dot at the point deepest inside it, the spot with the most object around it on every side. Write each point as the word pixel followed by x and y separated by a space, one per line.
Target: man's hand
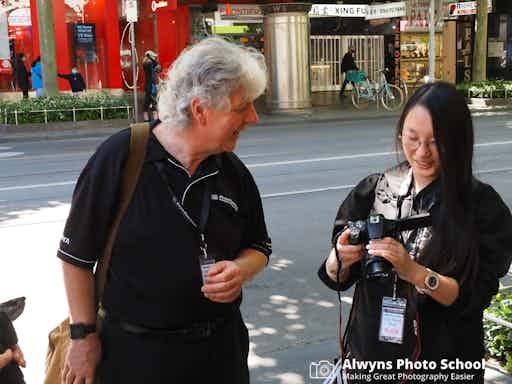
pixel 82 360
pixel 18 357
pixel 11 354
pixel 224 282
pixel 6 358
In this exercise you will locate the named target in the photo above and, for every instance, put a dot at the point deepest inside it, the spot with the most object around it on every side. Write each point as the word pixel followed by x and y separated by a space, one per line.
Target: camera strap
pixel 205 208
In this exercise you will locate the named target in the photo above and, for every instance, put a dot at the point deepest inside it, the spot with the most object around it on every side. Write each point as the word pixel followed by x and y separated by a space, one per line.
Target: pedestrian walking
pixel 152 70
pixel 348 64
pixel 192 236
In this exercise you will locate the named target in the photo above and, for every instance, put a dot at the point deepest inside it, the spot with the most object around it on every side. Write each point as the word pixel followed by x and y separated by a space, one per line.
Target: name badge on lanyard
pixel 392 320
pixel 206 260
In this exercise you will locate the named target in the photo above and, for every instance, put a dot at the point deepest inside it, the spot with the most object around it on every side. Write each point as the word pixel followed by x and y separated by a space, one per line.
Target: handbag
pixel 59 338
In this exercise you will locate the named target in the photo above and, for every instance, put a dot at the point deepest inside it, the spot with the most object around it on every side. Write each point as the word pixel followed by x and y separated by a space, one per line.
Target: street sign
pixel 465 8
pixel 339 10
pixel 158 4
pixel 132 15
pixel 239 11
pixel 386 11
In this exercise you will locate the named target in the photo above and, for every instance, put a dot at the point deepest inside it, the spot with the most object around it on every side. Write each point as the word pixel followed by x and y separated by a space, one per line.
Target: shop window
pixel 414 57
pixel 15 38
pixel 145 40
pixel 86 37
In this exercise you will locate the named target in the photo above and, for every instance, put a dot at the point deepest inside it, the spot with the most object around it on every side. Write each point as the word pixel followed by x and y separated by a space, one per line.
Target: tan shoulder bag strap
pixel 138 145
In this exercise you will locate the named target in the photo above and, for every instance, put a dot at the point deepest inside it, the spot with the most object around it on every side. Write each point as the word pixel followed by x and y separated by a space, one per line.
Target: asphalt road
pixel 303 170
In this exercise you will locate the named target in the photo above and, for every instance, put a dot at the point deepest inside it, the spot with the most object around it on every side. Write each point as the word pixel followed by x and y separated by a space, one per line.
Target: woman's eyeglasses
pixel 415 143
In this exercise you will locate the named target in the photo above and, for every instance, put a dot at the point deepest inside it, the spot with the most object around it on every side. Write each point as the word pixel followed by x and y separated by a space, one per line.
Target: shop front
pixel 414 45
pixel 91 35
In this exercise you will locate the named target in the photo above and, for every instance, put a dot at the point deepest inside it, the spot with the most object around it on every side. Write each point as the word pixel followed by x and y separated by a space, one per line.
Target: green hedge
pixel 26 108
pixel 498 338
pixel 494 89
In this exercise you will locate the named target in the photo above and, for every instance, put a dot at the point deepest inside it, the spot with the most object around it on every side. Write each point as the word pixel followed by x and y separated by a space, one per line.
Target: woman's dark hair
pixel 20 56
pixel 453 249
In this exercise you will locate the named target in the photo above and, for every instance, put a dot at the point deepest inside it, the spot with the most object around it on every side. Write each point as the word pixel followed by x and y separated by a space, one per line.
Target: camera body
pixel 376 226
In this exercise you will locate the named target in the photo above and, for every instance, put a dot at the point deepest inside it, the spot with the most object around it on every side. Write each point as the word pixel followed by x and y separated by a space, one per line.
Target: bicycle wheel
pixel 360 98
pixel 403 87
pixel 392 97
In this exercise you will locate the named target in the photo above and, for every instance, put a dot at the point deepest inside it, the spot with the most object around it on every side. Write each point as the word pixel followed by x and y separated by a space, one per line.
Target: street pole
pixel 432 42
pixel 480 53
pixel 135 72
pixel 47 44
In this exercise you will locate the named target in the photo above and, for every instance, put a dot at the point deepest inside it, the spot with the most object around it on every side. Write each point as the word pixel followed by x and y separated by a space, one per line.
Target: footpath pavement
pixel 327 107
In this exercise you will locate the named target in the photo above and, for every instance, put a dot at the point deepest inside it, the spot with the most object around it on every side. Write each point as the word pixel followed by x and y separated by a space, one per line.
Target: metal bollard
pixel 45 116
pixel 101 112
pixel 16 116
pixel 74 115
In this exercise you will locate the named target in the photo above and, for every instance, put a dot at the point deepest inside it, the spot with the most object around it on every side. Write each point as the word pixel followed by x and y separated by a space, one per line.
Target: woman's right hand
pixel 348 254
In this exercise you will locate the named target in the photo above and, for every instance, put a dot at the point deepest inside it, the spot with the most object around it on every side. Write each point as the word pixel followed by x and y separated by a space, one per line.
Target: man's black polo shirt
pixel 155 278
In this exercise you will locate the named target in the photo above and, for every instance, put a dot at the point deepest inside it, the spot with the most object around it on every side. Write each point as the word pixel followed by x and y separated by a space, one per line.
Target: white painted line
pixel 34 186
pixel 10 154
pixel 5 148
pixel 306 191
pixel 340 187
pixel 493 143
pixel 71 155
pixel 263 154
pixel 318 159
pixel 495 170
pixel 356 156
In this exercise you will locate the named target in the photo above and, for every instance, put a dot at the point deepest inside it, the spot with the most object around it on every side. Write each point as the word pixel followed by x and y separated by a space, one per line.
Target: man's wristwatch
pixel 80 331
pixel 431 280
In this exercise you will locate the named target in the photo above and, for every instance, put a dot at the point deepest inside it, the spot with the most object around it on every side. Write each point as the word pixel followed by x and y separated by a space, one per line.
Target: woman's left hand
pixel 394 252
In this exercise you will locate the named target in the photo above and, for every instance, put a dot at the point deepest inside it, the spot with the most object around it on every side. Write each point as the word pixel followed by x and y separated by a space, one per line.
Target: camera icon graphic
pixel 320 370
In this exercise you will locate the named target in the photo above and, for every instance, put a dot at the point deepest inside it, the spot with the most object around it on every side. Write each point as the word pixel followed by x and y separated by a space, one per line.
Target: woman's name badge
pixel 205 261
pixel 392 320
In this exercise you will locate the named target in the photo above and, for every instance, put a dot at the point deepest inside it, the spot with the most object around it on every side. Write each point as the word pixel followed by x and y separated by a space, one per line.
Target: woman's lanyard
pixel 205 209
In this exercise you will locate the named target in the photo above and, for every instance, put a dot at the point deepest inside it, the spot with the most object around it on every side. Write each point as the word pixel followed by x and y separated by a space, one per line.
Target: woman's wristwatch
pixel 431 282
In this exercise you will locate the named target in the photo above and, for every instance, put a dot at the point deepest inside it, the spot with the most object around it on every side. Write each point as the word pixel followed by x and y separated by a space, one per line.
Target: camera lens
pixel 377 267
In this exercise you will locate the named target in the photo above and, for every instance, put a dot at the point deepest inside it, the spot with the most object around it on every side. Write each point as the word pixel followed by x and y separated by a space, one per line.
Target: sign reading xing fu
pixel 340 10
pixel 369 12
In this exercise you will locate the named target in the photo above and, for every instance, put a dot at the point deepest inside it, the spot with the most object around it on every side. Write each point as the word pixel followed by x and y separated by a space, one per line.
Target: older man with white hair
pixel 192 235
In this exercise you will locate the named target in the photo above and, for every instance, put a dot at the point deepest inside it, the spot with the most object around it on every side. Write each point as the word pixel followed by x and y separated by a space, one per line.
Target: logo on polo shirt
pixel 225 200
pixel 65 240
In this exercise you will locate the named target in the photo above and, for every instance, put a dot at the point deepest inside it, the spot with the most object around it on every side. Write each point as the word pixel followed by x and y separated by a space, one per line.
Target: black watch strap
pixel 80 331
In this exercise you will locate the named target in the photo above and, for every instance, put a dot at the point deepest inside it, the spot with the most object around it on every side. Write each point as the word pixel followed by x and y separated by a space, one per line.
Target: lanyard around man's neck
pixel 205 207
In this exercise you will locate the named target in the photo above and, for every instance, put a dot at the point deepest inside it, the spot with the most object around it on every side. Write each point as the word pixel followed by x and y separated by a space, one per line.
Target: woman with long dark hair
pixel 428 306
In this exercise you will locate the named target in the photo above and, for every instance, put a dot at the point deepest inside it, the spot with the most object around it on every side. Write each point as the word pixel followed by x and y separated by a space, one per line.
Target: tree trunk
pixel 47 44
pixel 480 51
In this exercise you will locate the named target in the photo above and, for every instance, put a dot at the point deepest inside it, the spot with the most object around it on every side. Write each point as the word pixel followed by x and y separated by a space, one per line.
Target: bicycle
pixel 365 90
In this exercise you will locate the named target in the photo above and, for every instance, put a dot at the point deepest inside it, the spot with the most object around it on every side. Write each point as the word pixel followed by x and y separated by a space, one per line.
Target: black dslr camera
pixel 378 227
